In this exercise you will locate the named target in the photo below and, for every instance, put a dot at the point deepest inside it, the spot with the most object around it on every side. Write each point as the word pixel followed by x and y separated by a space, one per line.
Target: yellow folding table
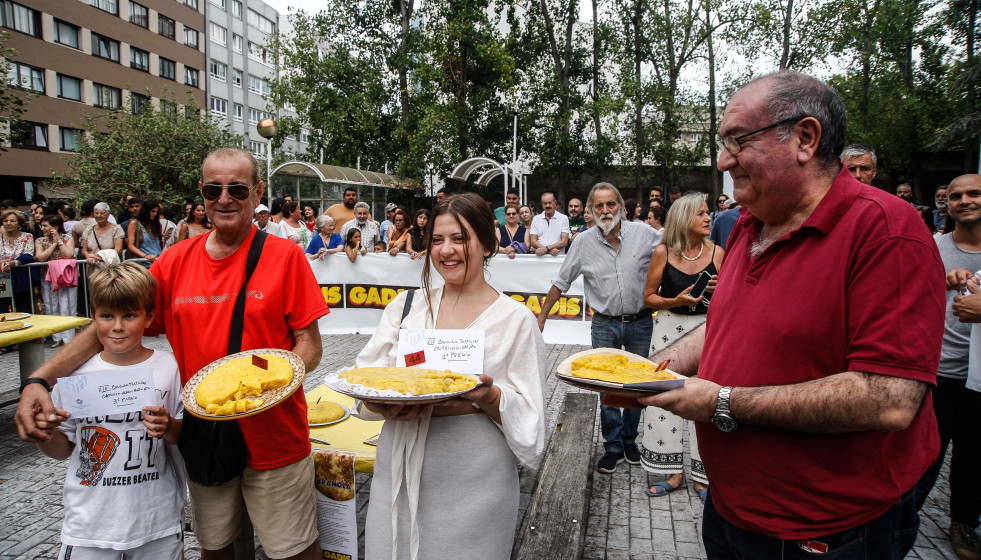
pixel 31 339
pixel 347 435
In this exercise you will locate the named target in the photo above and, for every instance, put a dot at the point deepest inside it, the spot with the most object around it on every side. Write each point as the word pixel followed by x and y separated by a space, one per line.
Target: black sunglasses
pixel 238 191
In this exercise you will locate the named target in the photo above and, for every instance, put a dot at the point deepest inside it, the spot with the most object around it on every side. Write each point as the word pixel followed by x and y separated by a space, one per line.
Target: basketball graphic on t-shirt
pixel 96 449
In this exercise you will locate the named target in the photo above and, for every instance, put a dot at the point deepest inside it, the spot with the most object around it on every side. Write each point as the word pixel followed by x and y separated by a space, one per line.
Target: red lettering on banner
pixel 415 358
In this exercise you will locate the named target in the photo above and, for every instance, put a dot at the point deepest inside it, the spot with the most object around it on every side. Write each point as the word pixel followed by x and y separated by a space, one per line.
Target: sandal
pixel 665 488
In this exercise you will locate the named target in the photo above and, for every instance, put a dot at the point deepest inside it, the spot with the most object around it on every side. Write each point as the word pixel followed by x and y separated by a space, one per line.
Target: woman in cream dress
pixel 446 483
pixel 685 254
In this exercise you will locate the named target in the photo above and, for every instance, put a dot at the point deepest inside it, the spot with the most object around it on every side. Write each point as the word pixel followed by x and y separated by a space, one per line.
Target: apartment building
pixel 81 58
pixel 240 66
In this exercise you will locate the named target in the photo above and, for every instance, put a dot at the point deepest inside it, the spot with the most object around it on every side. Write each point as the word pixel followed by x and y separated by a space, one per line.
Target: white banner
pixel 358 292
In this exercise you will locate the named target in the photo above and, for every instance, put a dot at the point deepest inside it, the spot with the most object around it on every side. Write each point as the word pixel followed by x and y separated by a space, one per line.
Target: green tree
pixel 157 153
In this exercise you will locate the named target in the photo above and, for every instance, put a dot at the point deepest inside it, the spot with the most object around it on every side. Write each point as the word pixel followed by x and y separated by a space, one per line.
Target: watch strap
pixel 31 380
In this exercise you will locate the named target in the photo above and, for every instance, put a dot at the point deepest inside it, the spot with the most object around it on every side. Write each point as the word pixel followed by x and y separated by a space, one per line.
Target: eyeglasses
pixel 238 191
pixel 510 213
pixel 732 144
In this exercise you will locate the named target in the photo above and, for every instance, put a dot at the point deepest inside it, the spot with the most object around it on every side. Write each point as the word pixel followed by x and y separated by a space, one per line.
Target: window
pixel 29 135
pixel 190 37
pixel 237 78
pixel 255 84
pixel 219 107
pixel 26 77
pixel 218 34
pixel 190 76
pixel 219 3
pixel 259 54
pixel 261 23
pixel 168 68
pixel 69 139
pixel 19 18
pixel 167 27
pixel 168 107
pixel 69 88
pixel 218 70
pixel 305 136
pixel 107 97
pixel 139 59
pixel 139 15
pixel 256 115
pixel 191 112
pixel 140 102
pixel 237 9
pixel 104 47
pixel 191 3
pixel 236 42
pixel 111 6
pixel 238 112
pixel 257 148
pixel 66 34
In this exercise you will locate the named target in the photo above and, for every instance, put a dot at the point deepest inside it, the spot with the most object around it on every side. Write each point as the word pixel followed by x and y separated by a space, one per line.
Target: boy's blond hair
pixel 123 287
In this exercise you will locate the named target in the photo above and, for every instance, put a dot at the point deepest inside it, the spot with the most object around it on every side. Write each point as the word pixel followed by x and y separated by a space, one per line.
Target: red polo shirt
pixel 859 287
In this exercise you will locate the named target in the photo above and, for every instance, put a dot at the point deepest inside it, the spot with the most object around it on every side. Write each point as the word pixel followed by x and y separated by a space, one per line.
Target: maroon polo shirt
pixel 859 287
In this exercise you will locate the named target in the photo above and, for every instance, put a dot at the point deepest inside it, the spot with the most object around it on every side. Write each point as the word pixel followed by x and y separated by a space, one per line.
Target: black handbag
pixel 214 451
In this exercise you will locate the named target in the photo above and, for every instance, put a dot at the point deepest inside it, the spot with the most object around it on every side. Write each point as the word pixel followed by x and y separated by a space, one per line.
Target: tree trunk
pixel 596 93
pixel 788 17
pixel 713 110
pixel 638 100
pixel 406 9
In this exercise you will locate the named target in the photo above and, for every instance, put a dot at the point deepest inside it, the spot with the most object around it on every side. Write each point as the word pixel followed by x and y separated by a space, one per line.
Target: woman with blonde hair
pixel 685 254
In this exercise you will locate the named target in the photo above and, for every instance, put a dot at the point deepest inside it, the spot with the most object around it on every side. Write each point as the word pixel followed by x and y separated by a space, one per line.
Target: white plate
pixel 347 412
pixel 564 373
pixel 361 392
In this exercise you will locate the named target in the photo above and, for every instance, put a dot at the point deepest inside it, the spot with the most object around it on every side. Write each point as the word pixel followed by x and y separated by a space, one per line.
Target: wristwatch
pixel 723 419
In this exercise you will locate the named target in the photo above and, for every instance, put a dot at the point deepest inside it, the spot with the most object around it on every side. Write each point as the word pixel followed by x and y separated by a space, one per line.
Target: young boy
pixel 124 490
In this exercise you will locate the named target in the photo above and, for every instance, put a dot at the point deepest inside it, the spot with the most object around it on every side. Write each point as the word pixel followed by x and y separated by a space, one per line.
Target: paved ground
pixel 623 523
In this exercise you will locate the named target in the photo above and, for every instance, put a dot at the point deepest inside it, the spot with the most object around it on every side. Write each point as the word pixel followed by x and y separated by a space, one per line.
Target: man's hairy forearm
pixel 684 353
pixel 308 345
pixel 846 402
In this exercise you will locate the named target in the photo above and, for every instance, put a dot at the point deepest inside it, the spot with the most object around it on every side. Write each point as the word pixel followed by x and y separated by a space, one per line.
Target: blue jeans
pixel 619 425
pixel 889 536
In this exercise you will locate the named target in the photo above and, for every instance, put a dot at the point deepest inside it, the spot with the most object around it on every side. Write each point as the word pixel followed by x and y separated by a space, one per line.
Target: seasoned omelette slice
pixel 623 372
pixel 410 381
pixel 603 362
pixel 227 389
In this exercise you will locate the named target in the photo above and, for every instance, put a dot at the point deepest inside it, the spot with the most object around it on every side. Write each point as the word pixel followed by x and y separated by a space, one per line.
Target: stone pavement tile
pixel 618 536
pixel 31 543
pixel 594 553
pixel 640 528
pixel 662 541
pixel 596 527
pixel 661 519
pixel 685 531
pixel 692 549
pixel 597 541
pixel 929 553
pixel 640 547
pixel 929 528
pixel 617 554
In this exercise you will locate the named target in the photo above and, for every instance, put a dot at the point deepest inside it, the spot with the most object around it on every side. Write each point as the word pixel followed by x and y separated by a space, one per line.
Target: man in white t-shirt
pixel 550 229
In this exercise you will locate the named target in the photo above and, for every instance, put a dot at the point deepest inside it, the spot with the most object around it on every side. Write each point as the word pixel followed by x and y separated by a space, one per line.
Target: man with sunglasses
pixel 616 253
pixel 812 402
pixel 198 284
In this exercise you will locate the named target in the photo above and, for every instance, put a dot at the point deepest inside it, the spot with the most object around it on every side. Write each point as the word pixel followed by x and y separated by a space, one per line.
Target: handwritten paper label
pixel 459 350
pixel 259 362
pixel 111 392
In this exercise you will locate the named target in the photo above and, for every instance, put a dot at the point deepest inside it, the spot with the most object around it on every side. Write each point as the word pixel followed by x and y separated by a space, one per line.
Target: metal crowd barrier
pixel 82 286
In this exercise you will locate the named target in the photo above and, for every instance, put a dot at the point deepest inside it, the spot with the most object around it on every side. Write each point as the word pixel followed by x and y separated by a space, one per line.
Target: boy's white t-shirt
pixel 123 488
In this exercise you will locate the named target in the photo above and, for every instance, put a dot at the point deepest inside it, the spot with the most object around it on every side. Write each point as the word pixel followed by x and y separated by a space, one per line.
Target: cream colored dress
pixel 449 485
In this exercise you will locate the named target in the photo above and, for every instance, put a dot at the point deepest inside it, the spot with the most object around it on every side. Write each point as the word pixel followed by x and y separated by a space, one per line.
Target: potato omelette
pixel 615 368
pixel 410 381
pixel 230 388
